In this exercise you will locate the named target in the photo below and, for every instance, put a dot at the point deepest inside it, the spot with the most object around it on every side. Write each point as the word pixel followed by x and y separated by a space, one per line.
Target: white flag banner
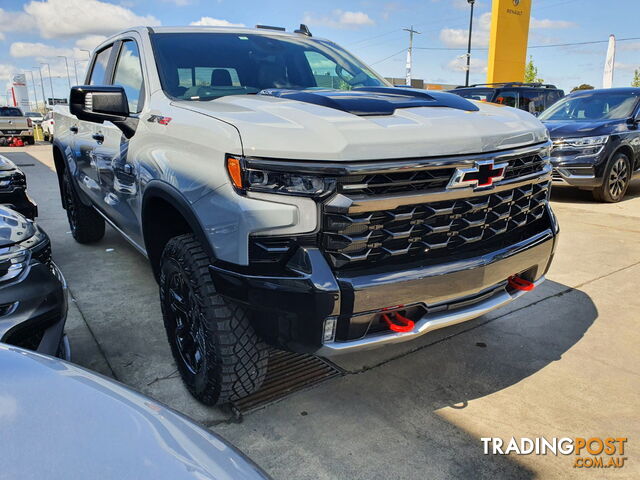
pixel 609 63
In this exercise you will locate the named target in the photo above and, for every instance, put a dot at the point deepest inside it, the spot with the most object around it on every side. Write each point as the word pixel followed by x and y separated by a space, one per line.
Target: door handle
pixel 98 137
pixel 73 129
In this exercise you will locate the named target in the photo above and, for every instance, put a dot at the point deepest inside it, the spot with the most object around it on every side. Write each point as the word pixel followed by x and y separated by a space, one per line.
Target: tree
pixel 583 86
pixel 531 73
pixel 636 78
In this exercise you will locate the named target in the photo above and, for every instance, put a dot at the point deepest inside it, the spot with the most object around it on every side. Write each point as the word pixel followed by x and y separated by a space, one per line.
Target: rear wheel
pixel 29 140
pixel 87 226
pixel 616 180
pixel 217 351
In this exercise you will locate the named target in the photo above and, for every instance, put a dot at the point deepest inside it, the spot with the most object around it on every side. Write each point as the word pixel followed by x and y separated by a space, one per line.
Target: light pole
pixel 35 92
pixel 68 75
pixel 466 82
pixel 44 96
pixel 50 83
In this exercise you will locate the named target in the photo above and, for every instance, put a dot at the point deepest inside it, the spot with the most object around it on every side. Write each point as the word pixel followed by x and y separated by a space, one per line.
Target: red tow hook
pixel 518 283
pixel 403 323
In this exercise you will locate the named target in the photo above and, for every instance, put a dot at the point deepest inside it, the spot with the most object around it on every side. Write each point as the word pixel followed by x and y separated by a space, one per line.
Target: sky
pixel 33 33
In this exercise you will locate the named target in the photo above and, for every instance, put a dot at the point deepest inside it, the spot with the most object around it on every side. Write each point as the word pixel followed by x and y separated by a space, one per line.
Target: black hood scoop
pixel 366 101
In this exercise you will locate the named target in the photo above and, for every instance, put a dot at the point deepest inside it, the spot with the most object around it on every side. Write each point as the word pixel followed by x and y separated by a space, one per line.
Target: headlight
pixel 274 181
pixel 13 263
pixel 585 145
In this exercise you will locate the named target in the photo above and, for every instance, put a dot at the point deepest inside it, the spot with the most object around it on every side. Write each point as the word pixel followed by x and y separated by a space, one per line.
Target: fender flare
pixel 170 194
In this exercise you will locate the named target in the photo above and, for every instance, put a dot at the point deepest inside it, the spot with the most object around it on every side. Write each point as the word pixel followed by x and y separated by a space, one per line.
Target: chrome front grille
pixel 431 230
pixel 426 179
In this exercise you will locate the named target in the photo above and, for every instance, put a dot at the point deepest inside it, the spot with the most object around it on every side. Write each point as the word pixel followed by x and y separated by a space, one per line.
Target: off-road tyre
pixel 87 226
pixel 29 140
pixel 218 354
pixel 617 176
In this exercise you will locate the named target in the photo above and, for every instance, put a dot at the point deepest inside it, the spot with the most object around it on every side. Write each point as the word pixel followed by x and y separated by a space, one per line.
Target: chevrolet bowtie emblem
pixel 483 174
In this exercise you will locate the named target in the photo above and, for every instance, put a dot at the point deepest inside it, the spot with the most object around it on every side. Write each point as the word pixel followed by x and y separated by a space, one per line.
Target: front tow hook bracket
pixel 397 322
pixel 518 283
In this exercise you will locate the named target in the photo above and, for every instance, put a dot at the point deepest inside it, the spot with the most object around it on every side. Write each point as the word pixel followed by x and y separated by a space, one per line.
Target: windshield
pixel 33 114
pixel 10 112
pixel 204 66
pixel 592 107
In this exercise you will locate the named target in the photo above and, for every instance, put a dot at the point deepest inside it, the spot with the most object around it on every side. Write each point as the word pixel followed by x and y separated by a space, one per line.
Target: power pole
pixel 466 82
pixel 410 53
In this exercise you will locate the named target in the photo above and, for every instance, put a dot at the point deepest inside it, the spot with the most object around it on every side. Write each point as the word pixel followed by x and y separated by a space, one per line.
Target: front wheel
pixel 87 226
pixel 617 176
pixel 219 355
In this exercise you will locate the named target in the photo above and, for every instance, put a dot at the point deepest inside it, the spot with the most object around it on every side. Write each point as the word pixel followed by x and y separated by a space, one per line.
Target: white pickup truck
pixel 286 194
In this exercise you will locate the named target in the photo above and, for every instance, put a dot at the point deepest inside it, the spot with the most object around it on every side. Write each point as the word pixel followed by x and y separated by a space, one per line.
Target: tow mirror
pixel 103 103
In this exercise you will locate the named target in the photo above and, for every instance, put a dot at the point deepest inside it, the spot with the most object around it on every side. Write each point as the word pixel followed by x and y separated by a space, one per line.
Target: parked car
pixel 59 421
pixel 530 97
pixel 36 117
pixel 33 292
pixel 48 125
pixel 596 140
pixel 274 211
pixel 13 189
pixel 13 123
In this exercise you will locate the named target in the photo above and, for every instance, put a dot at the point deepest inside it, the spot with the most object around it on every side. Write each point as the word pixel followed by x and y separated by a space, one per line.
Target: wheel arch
pixel 165 214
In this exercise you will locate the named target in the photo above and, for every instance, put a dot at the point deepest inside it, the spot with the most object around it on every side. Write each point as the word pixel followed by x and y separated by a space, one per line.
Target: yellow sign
pixel 508 43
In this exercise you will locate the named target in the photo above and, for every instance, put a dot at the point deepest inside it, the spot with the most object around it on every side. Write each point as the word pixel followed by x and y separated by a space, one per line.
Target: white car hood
pixel 283 128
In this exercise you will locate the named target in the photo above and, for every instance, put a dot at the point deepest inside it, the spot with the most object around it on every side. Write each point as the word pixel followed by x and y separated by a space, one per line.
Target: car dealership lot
pixel 560 362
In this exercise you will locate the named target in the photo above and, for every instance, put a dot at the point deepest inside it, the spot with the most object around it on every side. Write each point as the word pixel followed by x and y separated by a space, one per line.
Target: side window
pixel 128 74
pixel 532 101
pixel 507 98
pixel 100 67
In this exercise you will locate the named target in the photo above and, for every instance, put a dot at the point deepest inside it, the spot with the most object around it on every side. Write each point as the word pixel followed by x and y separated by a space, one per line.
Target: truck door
pixel 117 171
pixel 86 134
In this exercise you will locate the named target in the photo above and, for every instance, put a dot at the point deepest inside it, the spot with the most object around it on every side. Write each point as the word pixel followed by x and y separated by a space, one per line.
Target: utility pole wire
pixel 390 56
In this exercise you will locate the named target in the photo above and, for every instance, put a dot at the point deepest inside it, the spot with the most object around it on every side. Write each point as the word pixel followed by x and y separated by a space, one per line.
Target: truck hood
pixel 291 129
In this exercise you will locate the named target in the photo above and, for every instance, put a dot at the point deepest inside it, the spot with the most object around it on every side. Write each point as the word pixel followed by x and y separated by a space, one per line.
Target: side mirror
pixel 101 103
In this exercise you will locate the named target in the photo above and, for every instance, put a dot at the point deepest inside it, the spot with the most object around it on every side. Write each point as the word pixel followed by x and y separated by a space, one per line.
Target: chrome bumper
pixel 425 325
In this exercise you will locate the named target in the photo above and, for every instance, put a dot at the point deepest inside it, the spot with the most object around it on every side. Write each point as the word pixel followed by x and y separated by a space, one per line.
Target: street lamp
pixel 35 92
pixel 50 82
pixel 466 82
pixel 44 96
pixel 67 64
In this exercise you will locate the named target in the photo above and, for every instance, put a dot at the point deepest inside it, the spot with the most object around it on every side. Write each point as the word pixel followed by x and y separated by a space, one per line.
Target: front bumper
pixel 291 311
pixel 33 311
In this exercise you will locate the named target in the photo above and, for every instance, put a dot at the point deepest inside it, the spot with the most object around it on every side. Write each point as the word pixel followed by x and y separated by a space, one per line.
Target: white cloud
pixel 179 3
pixel 339 19
pixel 545 23
pixel 458 37
pixel 459 64
pixel 90 41
pixel 15 22
pixel 7 71
pixel 65 18
pixel 215 22
pixel 27 49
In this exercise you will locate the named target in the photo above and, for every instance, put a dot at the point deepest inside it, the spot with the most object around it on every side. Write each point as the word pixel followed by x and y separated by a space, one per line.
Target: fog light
pixel 329 333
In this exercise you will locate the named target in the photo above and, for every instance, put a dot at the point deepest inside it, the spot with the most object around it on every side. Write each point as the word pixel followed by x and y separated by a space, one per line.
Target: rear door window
pixel 532 101
pixel 507 97
pixel 99 70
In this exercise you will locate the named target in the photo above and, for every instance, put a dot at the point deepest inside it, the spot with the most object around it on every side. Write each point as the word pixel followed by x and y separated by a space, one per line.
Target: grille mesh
pixel 430 230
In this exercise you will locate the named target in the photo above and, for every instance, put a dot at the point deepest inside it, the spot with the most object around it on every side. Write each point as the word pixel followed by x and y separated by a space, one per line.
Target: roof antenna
pixel 304 30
